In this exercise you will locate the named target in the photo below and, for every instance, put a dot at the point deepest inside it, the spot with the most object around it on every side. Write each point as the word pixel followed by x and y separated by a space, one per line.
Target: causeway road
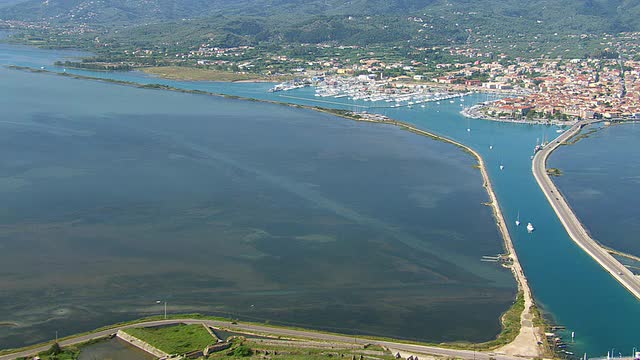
pixel 291 333
pixel 569 219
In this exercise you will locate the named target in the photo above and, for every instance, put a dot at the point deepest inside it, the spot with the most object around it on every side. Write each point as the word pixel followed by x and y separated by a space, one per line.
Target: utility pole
pixel 165 307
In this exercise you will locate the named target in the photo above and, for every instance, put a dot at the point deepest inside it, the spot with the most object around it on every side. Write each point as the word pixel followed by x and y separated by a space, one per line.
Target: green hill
pixel 356 22
pixel 608 15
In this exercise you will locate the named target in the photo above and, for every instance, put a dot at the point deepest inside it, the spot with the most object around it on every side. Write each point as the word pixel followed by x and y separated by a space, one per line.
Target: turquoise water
pixel 116 197
pixel 566 282
pixel 600 179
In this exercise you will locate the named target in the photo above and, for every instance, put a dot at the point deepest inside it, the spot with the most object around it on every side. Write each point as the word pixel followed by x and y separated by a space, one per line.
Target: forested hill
pixel 609 15
pixel 313 21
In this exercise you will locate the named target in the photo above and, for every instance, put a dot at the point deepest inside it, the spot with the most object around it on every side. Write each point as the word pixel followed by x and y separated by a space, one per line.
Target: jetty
pixel 570 221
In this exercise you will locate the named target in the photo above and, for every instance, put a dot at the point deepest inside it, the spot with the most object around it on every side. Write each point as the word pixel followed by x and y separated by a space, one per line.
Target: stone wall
pixel 142 345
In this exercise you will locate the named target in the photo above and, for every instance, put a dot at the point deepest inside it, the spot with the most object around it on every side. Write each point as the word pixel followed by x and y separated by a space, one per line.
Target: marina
pixel 378 92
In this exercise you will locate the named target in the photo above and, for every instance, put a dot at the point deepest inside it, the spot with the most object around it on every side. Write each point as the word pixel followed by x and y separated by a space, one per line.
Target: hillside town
pixel 537 90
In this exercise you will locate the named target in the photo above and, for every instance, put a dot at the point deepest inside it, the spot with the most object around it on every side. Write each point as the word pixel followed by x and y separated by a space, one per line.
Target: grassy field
pixel 196 74
pixel 57 353
pixel 254 349
pixel 178 339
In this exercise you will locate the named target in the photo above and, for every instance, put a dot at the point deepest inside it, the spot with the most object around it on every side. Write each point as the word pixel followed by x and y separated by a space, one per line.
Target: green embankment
pixel 55 352
pixel 113 326
pixel 251 349
pixel 579 136
pixel 510 329
pixel 554 172
pixel 177 339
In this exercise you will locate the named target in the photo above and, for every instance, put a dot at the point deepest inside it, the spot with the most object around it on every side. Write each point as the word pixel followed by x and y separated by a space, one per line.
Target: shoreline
pixel 473 113
pixel 526 341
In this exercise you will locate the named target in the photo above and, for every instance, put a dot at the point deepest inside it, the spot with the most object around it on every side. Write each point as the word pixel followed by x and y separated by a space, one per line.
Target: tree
pixel 55 349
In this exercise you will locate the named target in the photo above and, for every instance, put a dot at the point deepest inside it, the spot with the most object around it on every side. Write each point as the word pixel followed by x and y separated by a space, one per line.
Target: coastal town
pixel 537 90
pixel 603 83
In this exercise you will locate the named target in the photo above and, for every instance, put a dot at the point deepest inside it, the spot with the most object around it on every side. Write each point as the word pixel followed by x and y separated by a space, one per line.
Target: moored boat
pixel 530 227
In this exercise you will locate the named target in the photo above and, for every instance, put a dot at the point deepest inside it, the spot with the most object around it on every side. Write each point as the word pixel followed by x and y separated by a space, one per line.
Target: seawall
pixel 141 344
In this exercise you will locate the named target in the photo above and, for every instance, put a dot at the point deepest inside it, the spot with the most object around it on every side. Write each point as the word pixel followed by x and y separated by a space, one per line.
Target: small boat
pixel 468 130
pixel 501 167
pixel 490 147
pixel 518 219
pixel 438 102
pixel 530 227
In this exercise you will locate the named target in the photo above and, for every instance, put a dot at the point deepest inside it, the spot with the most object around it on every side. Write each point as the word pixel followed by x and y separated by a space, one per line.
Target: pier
pixel 570 221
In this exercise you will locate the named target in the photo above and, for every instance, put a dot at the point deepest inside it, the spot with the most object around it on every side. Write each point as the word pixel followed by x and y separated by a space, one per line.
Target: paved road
pixel 570 220
pixel 408 348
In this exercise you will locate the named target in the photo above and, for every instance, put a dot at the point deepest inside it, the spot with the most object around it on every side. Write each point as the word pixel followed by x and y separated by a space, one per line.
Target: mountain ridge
pixel 355 22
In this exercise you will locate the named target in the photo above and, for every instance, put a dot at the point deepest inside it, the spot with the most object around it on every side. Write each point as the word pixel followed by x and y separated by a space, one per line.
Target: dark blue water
pixel 601 175
pixel 566 283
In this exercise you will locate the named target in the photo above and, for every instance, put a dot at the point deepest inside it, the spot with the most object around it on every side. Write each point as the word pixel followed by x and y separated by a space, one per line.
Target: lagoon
pixel 567 284
pixel 116 197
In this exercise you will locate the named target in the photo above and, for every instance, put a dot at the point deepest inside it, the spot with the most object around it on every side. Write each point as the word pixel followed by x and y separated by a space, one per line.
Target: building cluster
pixel 540 88
pixel 208 51
pixel 573 89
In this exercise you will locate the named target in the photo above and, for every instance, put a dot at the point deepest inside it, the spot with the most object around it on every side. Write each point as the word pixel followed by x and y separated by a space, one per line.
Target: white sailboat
pixel 530 227
pixel 518 219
